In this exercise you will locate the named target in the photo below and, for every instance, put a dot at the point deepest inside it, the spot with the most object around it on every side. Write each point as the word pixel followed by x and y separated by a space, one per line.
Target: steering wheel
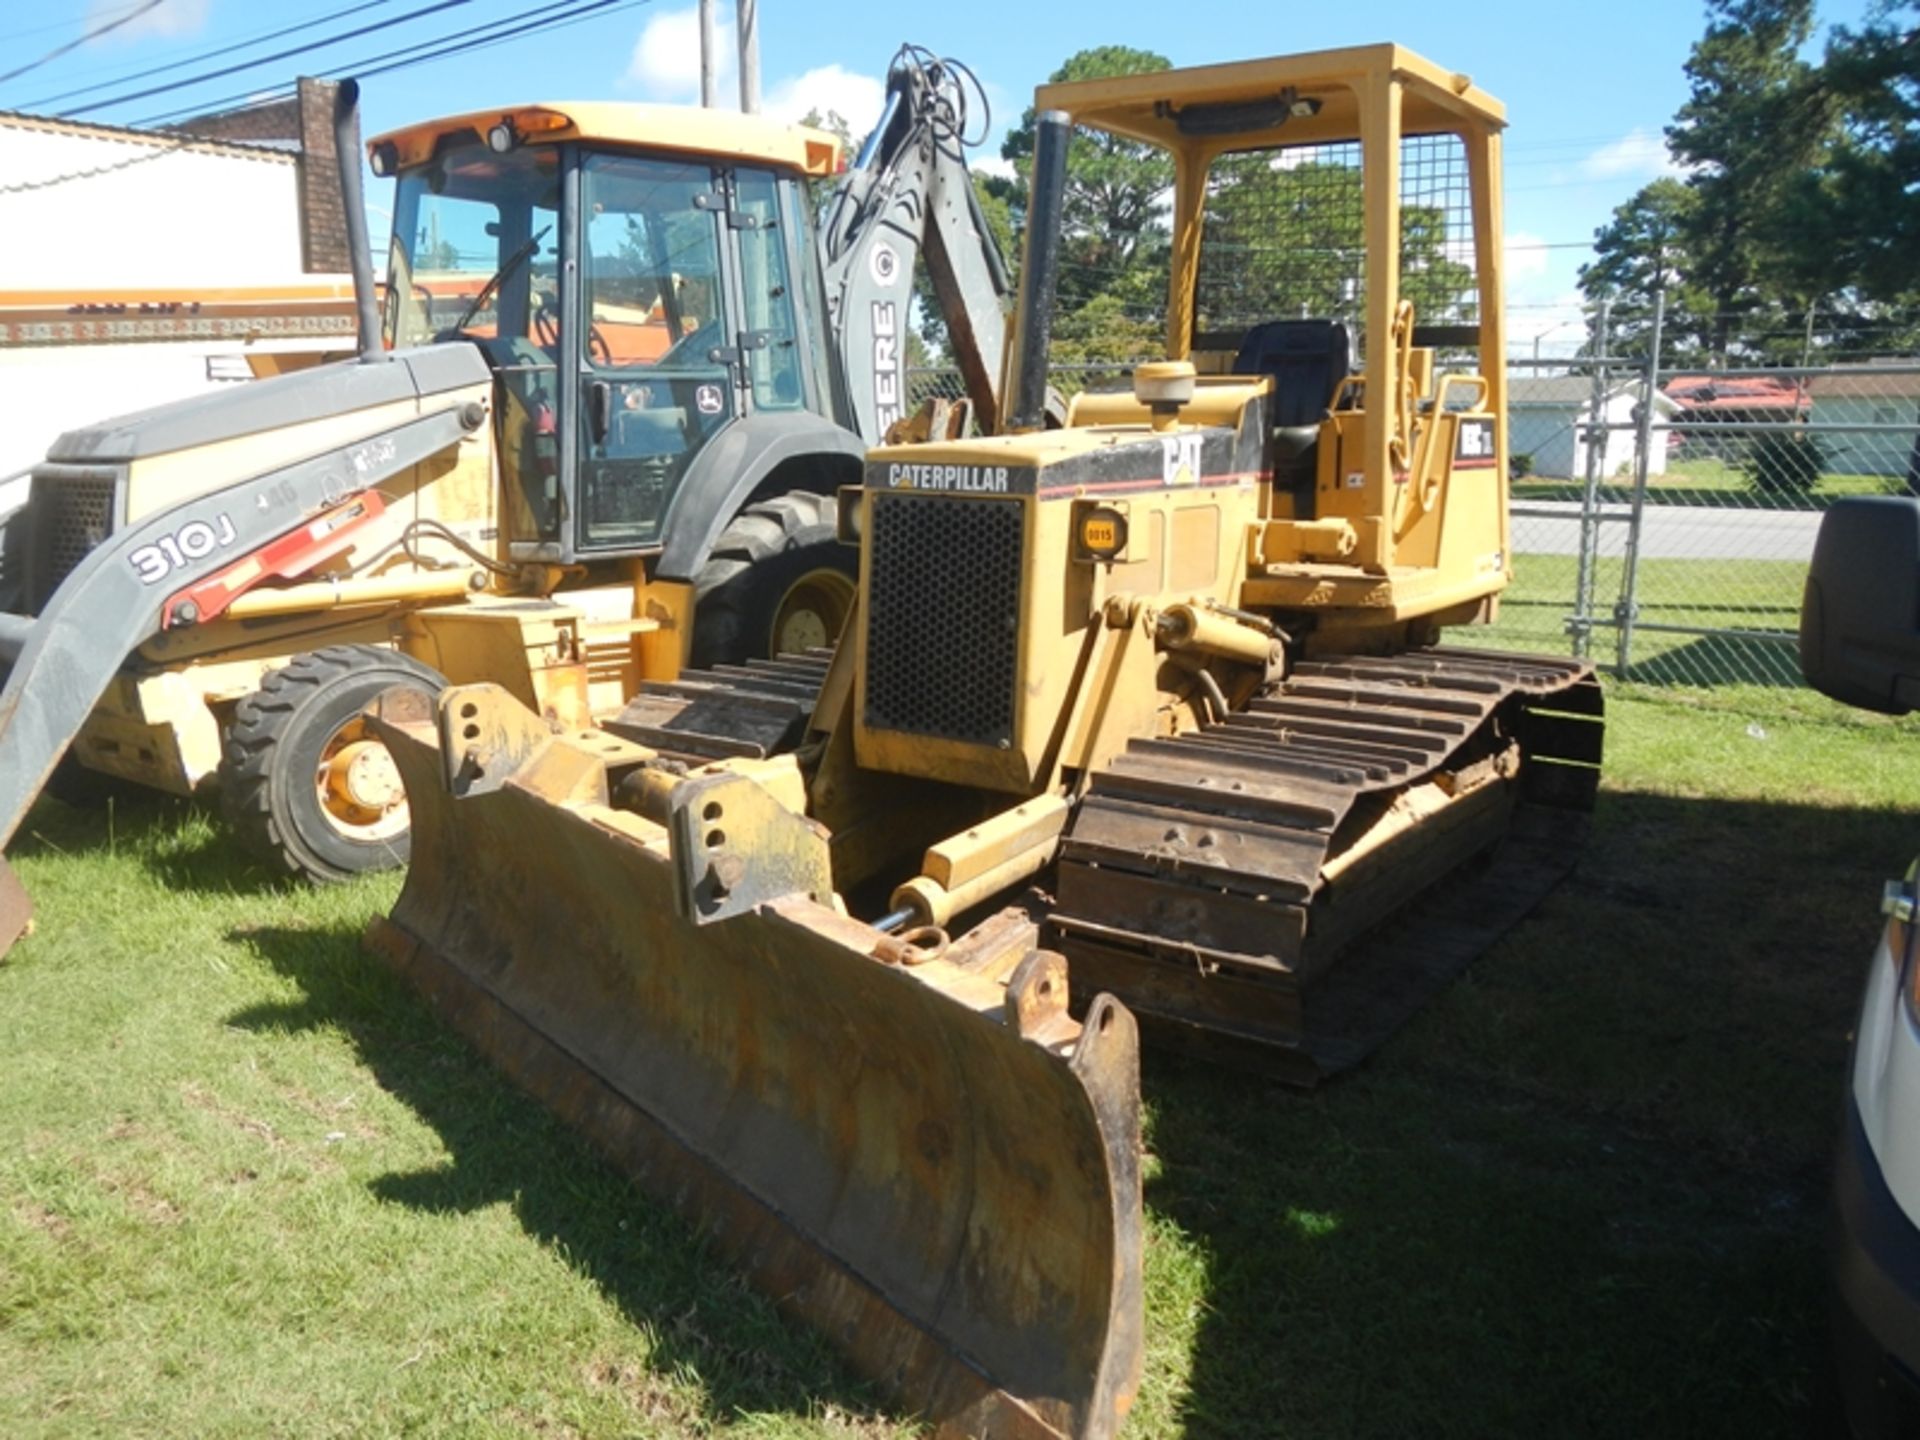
pixel 546 333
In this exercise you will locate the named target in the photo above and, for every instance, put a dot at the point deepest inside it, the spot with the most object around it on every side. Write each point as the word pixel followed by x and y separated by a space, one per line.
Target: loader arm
pixel 114 601
pixel 908 197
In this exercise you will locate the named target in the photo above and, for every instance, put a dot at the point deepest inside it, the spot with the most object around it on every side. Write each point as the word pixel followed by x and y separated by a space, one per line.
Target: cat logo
pixel 1180 459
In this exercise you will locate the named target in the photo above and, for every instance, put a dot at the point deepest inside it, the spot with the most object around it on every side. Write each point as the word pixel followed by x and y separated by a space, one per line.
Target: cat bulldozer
pixel 595 435
pixel 1152 705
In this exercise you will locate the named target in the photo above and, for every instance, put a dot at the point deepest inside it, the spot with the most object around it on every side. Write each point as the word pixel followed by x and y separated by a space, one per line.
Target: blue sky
pixel 1588 88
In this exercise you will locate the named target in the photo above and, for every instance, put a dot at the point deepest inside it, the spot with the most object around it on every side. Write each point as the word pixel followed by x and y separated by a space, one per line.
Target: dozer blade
pixel 933 1164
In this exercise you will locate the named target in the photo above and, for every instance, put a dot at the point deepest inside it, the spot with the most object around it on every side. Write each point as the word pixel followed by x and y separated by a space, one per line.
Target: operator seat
pixel 1307 360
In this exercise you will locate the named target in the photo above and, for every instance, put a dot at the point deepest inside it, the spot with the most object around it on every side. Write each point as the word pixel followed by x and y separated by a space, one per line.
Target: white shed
pixel 142 266
pixel 1869 395
pixel 1546 412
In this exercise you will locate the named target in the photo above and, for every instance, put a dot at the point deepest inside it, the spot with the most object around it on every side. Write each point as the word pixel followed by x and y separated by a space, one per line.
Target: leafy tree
pixel 1645 252
pixel 1290 240
pixel 1753 120
pixel 1114 237
pixel 1872 193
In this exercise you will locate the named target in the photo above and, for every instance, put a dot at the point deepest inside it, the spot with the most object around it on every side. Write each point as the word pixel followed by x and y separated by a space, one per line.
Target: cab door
pixel 657 379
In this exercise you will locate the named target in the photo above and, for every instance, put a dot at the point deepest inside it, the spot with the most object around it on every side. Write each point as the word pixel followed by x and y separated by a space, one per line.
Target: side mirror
pixel 1860 615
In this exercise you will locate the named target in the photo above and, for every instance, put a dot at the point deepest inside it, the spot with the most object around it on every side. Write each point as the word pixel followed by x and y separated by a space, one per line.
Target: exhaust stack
pixel 353 201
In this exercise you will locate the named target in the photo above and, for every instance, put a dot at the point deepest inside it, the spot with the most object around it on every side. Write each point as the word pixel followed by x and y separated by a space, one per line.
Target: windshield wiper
pixel 499 277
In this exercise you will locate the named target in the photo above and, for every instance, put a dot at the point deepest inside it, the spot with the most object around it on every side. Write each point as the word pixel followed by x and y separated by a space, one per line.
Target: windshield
pixel 468 218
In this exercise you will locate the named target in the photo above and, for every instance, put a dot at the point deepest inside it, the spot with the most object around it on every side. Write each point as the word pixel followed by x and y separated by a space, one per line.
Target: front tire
pixel 777 581
pixel 303 781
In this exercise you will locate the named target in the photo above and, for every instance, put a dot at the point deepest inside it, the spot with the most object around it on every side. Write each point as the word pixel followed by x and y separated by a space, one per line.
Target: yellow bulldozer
pixel 1153 703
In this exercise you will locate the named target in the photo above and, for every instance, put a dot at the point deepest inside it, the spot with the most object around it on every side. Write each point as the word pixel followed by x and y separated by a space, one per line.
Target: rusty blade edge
pixel 801 1278
pixel 16 910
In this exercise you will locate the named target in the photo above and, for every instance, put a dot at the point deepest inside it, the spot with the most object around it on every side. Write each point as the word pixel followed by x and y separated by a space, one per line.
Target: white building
pixel 1547 416
pixel 138 266
pixel 1863 395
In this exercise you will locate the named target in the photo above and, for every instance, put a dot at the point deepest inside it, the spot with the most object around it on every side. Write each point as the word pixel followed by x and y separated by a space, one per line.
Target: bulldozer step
pixel 753 710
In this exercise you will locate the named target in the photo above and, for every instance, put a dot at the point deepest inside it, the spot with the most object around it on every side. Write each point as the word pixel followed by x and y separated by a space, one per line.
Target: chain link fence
pixel 1663 518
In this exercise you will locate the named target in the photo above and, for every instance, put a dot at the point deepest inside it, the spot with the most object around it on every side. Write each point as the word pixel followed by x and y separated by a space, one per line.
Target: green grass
pixel 249 1186
pixel 1702 595
pixel 1707 482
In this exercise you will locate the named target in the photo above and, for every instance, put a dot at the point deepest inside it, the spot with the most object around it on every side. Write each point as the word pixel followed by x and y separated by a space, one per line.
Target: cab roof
pixel 720 134
pixel 1147 107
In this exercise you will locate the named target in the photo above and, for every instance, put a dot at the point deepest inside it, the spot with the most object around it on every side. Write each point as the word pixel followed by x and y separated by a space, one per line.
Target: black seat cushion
pixel 1307 360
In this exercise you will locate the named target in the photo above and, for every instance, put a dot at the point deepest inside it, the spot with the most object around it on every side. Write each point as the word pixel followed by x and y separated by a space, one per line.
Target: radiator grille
pixel 72 514
pixel 943 625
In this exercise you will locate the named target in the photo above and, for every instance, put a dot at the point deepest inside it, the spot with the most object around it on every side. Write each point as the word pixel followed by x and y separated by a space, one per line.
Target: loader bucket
pixel 934 1165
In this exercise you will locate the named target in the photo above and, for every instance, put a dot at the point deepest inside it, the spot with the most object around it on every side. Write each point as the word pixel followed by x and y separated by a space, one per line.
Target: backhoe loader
pixel 1154 701
pixel 595 436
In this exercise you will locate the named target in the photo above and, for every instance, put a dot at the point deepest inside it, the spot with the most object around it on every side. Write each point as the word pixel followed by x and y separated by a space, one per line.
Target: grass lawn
pixel 249 1186
pixel 1722 594
pixel 1707 482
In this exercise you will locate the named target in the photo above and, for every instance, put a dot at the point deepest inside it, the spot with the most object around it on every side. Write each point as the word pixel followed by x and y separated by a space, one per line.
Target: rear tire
pixel 777 581
pixel 303 783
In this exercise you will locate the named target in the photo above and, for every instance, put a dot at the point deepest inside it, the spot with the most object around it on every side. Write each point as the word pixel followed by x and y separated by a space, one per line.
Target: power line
pixel 63 24
pixel 264 59
pixel 205 55
pixel 439 48
pixel 94 34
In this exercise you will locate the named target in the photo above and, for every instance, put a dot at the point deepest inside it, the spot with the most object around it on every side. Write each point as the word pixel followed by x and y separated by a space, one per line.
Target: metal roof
pixel 723 134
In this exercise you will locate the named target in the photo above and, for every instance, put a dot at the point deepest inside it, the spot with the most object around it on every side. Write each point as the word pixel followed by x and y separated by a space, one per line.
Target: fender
pixel 732 467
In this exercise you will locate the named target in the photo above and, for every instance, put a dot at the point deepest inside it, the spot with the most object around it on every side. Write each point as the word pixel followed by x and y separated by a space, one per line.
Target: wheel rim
pixel 359 786
pixel 812 611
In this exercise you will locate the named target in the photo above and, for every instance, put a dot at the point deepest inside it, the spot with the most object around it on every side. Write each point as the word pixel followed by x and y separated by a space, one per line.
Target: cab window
pixel 653 309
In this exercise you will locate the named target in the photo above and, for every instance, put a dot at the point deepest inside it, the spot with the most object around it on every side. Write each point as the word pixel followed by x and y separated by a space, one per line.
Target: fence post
pixel 1627 610
pixel 1590 493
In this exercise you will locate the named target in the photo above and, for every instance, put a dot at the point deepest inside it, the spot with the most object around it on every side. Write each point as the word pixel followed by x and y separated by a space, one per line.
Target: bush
pixel 1784 462
pixel 1519 466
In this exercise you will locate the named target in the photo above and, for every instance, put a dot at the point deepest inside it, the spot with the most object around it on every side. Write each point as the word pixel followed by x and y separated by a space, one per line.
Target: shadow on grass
pixel 700 1315
pixel 1720 660
pixel 184 844
pixel 1583 1193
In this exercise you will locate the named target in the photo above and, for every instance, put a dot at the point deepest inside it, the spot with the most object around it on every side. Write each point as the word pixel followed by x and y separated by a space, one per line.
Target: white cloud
pixel 1559 325
pixel 666 58
pixel 169 17
pixel 1526 256
pixel 986 161
pixel 665 66
pixel 1640 152
pixel 856 98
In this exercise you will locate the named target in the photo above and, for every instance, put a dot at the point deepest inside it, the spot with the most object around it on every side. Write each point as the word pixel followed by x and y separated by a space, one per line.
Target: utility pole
pixel 747 19
pixel 707 96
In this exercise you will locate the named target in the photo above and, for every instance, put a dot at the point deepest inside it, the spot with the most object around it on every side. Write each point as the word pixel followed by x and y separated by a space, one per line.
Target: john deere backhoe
pixel 1155 700
pixel 596 434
